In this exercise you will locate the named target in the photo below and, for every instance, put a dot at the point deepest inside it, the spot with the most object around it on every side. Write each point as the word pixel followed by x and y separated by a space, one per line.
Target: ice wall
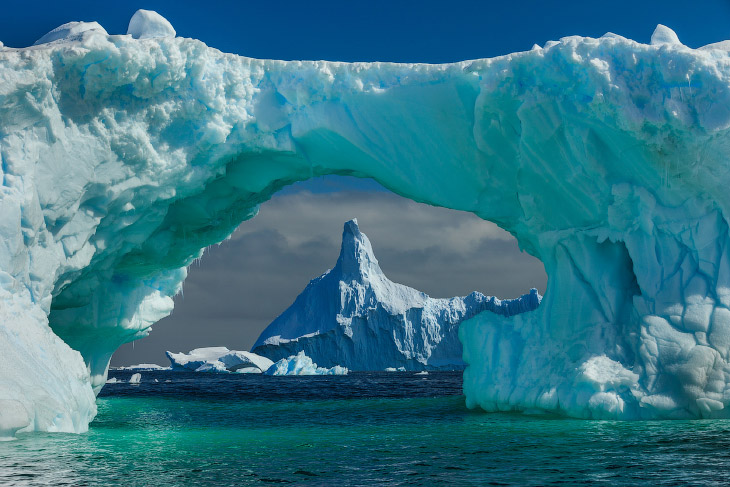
pixel 120 158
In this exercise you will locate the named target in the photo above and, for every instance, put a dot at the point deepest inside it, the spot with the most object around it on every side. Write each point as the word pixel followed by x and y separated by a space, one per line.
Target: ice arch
pixel 607 159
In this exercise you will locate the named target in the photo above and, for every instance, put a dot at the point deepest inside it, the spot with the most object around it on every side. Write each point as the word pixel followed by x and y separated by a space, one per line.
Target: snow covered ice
pixel 300 364
pixel 354 316
pixel 146 24
pixel 219 359
pixel 607 159
pixel 71 31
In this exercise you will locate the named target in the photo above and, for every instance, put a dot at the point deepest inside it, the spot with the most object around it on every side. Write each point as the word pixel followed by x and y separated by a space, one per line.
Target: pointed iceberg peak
pixel 664 35
pixel 356 254
pixel 352 227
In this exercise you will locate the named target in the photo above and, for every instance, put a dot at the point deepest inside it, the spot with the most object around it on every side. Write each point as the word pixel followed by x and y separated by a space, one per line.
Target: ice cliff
pixel 352 315
pixel 122 157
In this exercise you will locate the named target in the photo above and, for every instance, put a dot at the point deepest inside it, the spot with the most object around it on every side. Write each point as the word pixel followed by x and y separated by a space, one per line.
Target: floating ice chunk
pixel 423 372
pixel 217 359
pixel 113 380
pixel 393 369
pixel 300 364
pixel 142 367
pixel 136 378
pixel 148 24
pixel 196 357
pixel 70 31
pixel 248 370
pixel 236 360
pixel 212 367
pixel 664 35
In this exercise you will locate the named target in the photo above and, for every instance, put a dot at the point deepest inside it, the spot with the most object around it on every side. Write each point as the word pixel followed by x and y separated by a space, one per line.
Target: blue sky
pixel 382 30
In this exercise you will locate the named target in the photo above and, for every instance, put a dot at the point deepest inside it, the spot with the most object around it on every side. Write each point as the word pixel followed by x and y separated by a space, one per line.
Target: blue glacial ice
pixel 300 364
pixel 354 316
pixel 122 158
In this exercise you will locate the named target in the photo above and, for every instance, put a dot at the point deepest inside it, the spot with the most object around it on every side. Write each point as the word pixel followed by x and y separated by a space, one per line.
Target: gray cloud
pixel 241 285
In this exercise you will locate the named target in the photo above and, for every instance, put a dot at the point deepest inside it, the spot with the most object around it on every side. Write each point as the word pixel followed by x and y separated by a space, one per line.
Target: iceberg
pixel 300 364
pixel 122 158
pixel 135 379
pixel 141 367
pixel 354 316
pixel 218 359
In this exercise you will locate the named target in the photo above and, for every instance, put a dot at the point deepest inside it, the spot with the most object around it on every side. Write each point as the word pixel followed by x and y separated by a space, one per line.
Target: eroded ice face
pixel 607 159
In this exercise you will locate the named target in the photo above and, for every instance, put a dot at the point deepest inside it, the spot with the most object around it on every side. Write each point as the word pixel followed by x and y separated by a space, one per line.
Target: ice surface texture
pixel 607 159
pixel 354 316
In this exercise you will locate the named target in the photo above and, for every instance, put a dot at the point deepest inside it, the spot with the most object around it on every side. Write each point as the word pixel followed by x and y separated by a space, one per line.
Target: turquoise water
pixel 362 429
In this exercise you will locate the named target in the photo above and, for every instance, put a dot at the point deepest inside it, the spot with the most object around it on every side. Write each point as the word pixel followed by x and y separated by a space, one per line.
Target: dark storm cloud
pixel 241 285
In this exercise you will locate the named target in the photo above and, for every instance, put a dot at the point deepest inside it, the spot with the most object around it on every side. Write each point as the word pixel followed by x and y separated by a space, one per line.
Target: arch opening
pixel 240 286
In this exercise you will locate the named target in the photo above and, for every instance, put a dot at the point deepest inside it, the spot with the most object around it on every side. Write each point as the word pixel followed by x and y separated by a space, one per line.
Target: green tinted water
pixel 178 435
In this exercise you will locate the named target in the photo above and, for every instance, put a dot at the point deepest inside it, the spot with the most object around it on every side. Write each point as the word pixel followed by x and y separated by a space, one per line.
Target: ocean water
pixel 361 429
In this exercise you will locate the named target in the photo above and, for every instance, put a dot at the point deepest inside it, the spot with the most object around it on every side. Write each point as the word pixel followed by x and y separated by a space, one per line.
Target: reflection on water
pixel 362 429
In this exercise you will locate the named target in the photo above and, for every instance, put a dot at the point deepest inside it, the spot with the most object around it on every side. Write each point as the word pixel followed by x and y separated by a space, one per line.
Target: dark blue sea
pixel 361 429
